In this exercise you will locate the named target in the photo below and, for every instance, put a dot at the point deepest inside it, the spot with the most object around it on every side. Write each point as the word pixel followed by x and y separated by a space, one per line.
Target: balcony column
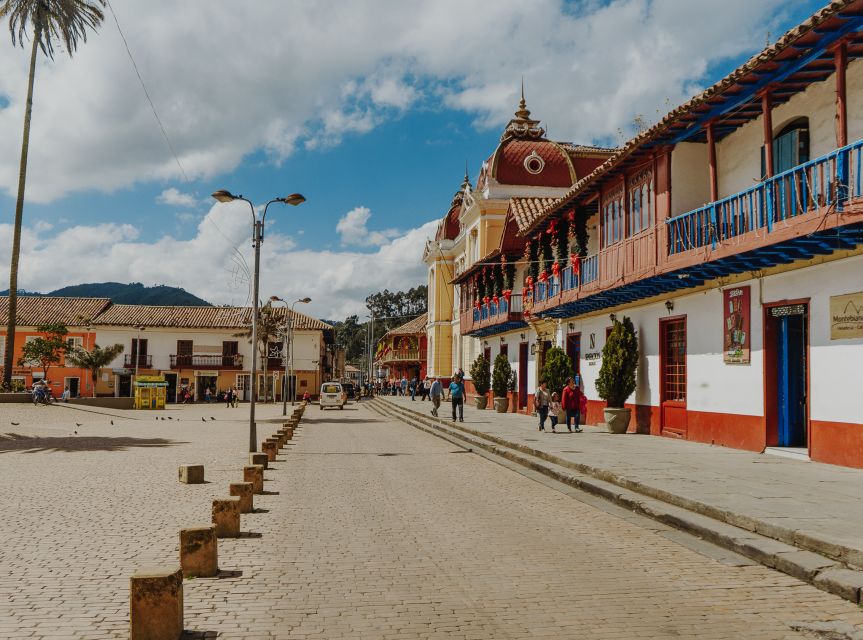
pixel 711 159
pixel 840 60
pixel 767 118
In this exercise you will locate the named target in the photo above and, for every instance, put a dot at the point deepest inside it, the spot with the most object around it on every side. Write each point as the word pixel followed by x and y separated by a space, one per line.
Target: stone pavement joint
pixel 844 582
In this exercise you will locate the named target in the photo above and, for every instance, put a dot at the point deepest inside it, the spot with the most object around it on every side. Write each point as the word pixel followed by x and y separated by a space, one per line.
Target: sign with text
pixel 846 316
pixel 735 325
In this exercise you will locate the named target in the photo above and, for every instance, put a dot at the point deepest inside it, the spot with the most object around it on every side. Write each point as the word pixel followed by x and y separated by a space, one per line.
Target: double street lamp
pixel 294 199
pixel 289 386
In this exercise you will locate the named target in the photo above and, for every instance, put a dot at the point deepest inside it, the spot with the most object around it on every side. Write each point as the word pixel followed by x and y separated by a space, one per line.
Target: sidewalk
pixel 810 505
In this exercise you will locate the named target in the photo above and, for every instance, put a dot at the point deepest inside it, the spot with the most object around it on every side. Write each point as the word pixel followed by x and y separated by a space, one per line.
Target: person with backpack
pixel 456 394
pixel 571 403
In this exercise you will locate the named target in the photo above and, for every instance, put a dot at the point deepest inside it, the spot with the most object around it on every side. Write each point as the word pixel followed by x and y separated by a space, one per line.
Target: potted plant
pixel 616 380
pixel 557 368
pixel 512 387
pixel 500 382
pixel 480 373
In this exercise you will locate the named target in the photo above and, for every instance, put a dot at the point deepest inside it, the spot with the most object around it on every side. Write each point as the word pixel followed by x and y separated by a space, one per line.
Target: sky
pixel 370 109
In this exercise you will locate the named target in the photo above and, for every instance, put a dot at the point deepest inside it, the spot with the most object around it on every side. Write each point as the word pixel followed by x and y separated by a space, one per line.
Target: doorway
pixel 124 386
pixel 573 350
pixel 74 386
pixel 171 390
pixel 787 375
pixel 522 375
pixel 672 365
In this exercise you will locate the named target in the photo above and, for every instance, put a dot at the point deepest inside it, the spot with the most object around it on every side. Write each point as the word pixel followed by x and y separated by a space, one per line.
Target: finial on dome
pixel 523 112
pixel 466 177
pixel 522 126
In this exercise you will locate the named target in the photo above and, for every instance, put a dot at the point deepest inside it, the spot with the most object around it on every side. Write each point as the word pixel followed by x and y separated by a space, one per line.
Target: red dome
pixel 539 163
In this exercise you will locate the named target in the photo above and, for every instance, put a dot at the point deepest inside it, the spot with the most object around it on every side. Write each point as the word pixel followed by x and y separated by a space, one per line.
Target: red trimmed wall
pixel 836 443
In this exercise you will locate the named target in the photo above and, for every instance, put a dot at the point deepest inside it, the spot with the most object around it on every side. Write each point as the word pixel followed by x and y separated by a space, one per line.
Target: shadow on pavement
pixel 36 444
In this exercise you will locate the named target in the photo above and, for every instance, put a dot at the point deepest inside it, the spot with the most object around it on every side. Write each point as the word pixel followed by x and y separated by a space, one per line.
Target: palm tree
pixel 94 359
pixel 270 328
pixel 66 22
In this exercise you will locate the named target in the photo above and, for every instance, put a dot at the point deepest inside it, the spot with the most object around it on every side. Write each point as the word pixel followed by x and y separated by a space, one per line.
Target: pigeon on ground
pixel 203 419
pixel 76 433
pixel 170 418
pixel 212 418
pixel 14 424
pixel 78 424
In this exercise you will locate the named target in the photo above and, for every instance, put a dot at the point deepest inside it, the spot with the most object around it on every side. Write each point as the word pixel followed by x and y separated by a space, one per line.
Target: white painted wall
pixel 854 96
pixel 690 177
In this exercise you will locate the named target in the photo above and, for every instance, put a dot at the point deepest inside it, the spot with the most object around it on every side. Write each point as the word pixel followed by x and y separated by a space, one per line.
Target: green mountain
pixel 132 293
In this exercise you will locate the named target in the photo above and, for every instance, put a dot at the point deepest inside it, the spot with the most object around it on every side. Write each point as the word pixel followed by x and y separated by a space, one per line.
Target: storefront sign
pixel 788 310
pixel 735 325
pixel 846 316
pixel 206 374
pixel 592 358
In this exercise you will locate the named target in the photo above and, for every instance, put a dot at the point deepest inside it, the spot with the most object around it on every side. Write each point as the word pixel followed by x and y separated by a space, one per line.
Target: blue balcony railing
pixel 828 181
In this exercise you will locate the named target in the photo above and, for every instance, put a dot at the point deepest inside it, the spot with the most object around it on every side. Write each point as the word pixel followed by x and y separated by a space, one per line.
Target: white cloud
pixel 353 229
pixel 589 68
pixel 216 263
pixel 176 198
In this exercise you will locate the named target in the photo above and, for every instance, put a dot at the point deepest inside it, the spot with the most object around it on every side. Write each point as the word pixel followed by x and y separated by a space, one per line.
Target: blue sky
pixel 356 110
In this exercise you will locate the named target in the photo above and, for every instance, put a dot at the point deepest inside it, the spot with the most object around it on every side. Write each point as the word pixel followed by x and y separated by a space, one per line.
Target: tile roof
pixel 766 56
pixel 417 325
pixel 526 210
pixel 195 317
pixel 35 310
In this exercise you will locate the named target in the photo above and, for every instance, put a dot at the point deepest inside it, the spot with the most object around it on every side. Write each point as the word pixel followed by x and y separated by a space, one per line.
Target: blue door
pixel 791 380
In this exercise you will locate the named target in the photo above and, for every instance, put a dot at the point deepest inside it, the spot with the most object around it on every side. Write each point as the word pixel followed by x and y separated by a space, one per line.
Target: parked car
pixel 332 395
pixel 350 390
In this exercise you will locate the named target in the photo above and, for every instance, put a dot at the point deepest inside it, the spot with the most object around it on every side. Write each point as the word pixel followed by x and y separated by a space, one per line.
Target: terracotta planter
pixel 501 405
pixel 617 420
pixel 481 402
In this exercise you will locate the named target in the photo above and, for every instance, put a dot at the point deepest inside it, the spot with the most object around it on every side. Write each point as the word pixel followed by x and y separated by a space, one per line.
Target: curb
pixel 793 558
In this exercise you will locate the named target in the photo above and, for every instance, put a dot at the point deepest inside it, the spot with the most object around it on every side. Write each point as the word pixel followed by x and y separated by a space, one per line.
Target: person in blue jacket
pixel 456 394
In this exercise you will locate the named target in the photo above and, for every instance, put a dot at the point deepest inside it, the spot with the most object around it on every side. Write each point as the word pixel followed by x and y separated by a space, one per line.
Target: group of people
pixel 570 406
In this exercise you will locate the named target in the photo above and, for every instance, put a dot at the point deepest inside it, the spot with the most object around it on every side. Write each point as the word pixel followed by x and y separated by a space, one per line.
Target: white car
pixel 332 395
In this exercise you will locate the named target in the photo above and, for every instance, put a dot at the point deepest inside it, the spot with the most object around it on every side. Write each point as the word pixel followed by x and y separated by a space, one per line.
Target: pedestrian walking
pixel 207 394
pixel 571 401
pixel 435 393
pixel 229 397
pixel 414 385
pixel 403 387
pixel 554 410
pixel 582 409
pixel 541 401
pixel 456 395
pixel 424 390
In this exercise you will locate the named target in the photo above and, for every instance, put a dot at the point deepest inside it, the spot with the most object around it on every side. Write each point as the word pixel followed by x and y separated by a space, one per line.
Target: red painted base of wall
pixel 836 443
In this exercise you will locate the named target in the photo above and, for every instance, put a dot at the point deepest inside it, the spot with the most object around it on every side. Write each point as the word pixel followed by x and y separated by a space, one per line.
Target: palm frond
pixel 51 21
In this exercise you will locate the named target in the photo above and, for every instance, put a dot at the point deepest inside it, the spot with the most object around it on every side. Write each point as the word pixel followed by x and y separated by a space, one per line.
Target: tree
pixel 45 350
pixel 616 380
pixel 557 368
pixel 481 375
pixel 502 376
pixel 68 22
pixel 270 329
pixel 94 359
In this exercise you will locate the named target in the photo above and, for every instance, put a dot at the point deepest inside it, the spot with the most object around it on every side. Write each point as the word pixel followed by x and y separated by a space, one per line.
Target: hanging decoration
pixel 497 277
pixel 509 275
pixel 547 252
pixel 562 241
pixel 578 232
pixel 555 269
pixel 575 261
pixel 532 259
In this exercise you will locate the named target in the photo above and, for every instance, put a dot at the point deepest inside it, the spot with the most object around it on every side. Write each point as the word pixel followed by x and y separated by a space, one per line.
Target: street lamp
pixel 294 199
pixel 140 328
pixel 290 342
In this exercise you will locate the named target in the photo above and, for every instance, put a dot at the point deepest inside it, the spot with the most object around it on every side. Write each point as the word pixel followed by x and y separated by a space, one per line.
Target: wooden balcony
pixel 130 361
pixel 493 318
pixel 403 355
pixel 206 362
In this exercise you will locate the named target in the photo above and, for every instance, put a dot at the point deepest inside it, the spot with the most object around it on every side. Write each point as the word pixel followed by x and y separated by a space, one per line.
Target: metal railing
pixel 408 355
pixel 828 181
pixel 209 361
pixel 143 360
pixel 499 308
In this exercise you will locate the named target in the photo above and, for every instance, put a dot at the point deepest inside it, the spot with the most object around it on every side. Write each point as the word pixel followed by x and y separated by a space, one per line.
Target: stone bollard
pixel 192 473
pixel 243 491
pixel 270 448
pixel 156 604
pixel 226 517
pixel 199 555
pixel 255 475
pixel 258 458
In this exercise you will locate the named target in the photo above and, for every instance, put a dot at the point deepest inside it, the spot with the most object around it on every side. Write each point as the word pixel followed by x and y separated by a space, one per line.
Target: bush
pixel 557 368
pixel 480 373
pixel 616 380
pixel 501 377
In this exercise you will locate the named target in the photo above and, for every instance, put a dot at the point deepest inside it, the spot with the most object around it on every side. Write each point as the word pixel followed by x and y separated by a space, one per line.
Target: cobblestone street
pixel 369 529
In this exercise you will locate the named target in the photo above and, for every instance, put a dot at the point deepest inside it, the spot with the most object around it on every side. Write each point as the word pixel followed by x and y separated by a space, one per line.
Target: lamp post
pixel 257 239
pixel 286 343
pixel 140 328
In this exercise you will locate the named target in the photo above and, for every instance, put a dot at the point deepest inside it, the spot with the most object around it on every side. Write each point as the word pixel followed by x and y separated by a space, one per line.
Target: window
pixel 640 203
pixel 2 349
pixel 74 343
pixel 790 147
pixel 612 218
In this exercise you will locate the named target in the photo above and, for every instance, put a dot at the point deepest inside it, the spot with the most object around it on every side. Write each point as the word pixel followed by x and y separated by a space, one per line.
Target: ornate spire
pixel 522 127
pixel 458 198
pixel 466 182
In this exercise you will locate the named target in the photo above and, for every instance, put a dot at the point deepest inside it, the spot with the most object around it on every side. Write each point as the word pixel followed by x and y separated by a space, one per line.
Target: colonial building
pixel 194 348
pixel 731 233
pixel 402 352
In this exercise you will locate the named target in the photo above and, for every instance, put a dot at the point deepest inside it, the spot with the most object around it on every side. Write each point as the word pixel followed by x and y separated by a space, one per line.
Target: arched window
pixel 790 146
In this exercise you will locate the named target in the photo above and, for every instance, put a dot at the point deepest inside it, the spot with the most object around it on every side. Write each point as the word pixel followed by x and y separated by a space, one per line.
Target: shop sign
pixel 788 310
pixel 592 358
pixel 123 372
pixel 735 325
pixel 206 374
pixel 846 316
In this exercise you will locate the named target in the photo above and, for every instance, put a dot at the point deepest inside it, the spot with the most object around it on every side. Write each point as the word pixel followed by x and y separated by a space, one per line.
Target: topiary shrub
pixel 616 380
pixel 557 368
pixel 501 376
pixel 480 373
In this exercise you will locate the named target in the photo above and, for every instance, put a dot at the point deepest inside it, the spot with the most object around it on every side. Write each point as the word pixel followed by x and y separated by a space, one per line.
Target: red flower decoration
pixel 476 303
pixel 486 299
pixel 508 294
pixel 552 228
pixel 555 269
pixel 543 277
pixel 575 261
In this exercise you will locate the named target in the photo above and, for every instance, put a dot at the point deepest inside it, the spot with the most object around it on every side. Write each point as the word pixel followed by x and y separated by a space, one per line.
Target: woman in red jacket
pixel 571 404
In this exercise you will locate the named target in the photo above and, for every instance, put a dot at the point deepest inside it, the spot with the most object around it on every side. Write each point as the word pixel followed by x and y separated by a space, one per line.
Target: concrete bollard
pixel 199 555
pixel 258 458
pixel 255 475
pixel 191 473
pixel 270 448
pixel 156 604
pixel 226 517
pixel 243 491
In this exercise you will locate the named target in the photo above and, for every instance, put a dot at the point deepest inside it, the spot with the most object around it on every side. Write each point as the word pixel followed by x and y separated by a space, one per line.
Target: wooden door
pixel 573 350
pixel 672 365
pixel 184 353
pixel 229 350
pixel 522 375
